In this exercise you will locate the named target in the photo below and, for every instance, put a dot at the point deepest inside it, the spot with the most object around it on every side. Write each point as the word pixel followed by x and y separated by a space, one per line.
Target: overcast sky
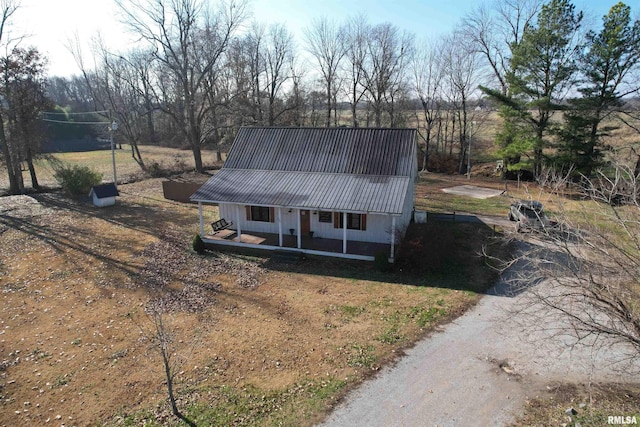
pixel 52 23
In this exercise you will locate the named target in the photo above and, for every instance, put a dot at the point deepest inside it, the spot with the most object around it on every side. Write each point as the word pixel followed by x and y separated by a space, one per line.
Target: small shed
pixel 104 195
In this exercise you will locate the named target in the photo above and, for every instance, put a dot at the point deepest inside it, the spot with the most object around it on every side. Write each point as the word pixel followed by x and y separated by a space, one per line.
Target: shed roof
pixel 346 169
pixel 104 190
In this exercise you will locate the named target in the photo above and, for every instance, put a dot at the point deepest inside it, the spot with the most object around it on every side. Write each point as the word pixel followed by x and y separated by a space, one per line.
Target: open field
pixel 127 170
pixel 264 343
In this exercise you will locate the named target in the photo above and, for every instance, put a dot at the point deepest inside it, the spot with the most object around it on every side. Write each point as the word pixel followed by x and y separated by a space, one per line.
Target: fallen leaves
pixel 181 280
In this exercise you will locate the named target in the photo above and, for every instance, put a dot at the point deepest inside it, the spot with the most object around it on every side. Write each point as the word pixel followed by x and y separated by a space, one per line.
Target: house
pixel 104 195
pixel 345 192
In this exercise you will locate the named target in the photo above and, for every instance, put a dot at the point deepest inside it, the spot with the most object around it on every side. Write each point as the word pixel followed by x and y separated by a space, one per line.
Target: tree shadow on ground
pixel 438 254
pixel 128 212
pixel 68 224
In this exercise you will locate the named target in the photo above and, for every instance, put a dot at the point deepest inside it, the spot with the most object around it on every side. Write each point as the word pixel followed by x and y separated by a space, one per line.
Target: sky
pixel 51 24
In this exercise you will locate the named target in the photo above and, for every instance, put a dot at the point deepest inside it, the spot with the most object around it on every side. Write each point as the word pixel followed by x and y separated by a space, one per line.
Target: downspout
pixel 344 232
pixel 393 238
pixel 238 216
pixel 280 226
pixel 299 233
pixel 201 219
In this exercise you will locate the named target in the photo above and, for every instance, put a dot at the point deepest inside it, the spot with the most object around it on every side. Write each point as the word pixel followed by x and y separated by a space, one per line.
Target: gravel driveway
pixel 478 370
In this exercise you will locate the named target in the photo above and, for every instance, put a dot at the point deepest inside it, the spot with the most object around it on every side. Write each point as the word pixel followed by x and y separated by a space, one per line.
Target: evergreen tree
pixel 543 66
pixel 607 62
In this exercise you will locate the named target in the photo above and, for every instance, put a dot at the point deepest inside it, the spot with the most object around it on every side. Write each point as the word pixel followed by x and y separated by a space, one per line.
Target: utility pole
pixel 469 151
pixel 112 131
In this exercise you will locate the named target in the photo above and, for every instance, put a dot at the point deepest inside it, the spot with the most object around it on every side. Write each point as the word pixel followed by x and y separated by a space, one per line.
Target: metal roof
pixel 306 190
pixel 360 151
pixel 338 169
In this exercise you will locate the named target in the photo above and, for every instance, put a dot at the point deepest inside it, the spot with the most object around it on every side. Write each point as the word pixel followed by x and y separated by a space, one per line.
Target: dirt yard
pixel 255 342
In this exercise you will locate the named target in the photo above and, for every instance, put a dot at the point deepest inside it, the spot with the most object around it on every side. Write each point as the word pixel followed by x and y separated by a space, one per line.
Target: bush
pixel 156 169
pixel 198 244
pixel 77 180
pixel 381 261
pixel 443 163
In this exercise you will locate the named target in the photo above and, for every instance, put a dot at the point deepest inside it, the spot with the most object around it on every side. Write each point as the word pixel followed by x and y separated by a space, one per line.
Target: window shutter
pixel 363 222
pixel 272 216
pixel 248 210
pixel 336 220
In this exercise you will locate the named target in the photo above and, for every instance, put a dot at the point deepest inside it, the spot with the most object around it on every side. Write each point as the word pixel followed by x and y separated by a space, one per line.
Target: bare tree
pixel 23 77
pixel 163 341
pixel 388 52
pixel 581 279
pixel 356 32
pixel 189 42
pixel 427 80
pixel 461 75
pixel 494 30
pixel 325 41
pixel 7 9
pixel 245 66
pixel 122 84
pixel 278 67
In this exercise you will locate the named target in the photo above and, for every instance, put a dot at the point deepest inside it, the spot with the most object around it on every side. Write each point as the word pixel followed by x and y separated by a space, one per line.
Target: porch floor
pixel 312 243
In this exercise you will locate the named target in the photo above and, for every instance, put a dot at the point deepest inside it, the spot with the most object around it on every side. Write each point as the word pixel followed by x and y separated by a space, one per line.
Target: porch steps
pixel 285 257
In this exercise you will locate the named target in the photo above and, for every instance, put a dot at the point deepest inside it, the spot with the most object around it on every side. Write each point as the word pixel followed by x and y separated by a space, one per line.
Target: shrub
pixel 381 261
pixel 156 169
pixel 198 244
pixel 443 163
pixel 77 180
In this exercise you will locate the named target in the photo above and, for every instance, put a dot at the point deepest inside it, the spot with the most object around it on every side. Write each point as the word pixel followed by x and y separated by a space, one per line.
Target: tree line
pixel 202 69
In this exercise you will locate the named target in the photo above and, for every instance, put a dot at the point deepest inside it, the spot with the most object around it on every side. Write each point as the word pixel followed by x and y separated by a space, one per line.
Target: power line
pixel 71 114
pixel 74 123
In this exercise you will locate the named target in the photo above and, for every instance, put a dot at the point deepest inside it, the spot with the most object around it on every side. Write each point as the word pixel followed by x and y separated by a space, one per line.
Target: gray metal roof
pixel 339 169
pixel 306 190
pixel 360 151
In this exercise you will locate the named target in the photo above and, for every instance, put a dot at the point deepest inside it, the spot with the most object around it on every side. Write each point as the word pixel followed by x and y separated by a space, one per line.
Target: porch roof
pixel 384 194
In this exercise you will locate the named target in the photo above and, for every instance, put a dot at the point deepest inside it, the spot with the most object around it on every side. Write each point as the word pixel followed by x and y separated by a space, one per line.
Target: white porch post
pixel 238 216
pixel 299 233
pixel 280 226
pixel 201 219
pixel 393 237
pixel 344 232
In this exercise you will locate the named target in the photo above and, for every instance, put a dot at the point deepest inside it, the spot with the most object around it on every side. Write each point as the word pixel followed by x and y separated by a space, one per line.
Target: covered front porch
pixel 293 232
pixel 310 245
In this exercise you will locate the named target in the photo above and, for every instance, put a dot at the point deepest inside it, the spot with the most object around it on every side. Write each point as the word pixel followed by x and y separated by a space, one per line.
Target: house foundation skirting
pixel 288 249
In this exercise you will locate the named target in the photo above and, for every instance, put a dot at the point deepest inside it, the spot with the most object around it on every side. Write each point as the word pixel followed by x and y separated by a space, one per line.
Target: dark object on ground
pixel 529 215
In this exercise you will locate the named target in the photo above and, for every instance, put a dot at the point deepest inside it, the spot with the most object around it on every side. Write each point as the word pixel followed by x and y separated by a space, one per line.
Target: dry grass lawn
pixel 127 170
pixel 259 343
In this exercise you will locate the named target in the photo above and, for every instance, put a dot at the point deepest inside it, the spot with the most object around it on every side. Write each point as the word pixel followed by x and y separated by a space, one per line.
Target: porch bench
pixel 220 224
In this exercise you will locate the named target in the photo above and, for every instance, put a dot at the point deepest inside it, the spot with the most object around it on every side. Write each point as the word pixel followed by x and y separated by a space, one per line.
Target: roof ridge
pixel 314 172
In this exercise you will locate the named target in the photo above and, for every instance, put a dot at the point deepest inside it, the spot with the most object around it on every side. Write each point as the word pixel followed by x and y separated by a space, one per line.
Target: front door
pixel 305 222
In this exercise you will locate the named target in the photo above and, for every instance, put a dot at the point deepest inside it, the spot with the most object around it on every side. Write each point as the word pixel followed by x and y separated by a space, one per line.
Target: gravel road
pixel 477 371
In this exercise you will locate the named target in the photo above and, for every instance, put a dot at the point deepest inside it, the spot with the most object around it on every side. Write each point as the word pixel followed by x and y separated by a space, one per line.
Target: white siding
pixel 105 201
pixel 378 226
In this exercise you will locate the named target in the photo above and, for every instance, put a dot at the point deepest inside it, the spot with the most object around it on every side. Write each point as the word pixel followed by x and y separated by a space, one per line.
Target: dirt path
pixel 478 370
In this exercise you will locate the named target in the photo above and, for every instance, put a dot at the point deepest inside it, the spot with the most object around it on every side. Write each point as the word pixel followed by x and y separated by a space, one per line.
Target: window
pixel 260 213
pixel 354 221
pixel 324 216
